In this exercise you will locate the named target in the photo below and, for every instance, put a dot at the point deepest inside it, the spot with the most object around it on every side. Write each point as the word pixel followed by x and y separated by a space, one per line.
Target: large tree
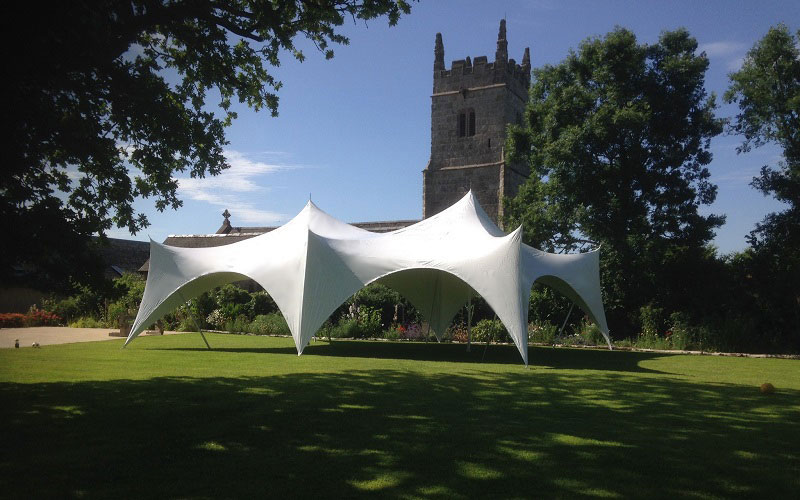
pixel 617 139
pixel 767 91
pixel 95 123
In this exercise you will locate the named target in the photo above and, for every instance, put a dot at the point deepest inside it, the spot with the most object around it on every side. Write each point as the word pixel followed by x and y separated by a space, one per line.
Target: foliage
pixel 237 325
pixel 260 304
pixel 95 124
pixel 542 333
pixel 369 322
pixel 592 334
pixel 269 324
pixel 216 319
pixel 767 91
pixel 345 329
pixel 34 317
pixel 88 322
pixel 616 137
pixel 12 320
pixel 490 330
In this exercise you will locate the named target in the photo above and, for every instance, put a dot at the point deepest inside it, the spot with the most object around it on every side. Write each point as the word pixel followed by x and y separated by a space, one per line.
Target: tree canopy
pixel 767 91
pixel 617 138
pixel 95 123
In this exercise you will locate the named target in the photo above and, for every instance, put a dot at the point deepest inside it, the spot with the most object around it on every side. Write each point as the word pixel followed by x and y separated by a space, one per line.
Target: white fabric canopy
pixel 315 262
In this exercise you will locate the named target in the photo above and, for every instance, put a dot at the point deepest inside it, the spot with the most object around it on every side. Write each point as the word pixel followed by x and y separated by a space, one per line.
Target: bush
pixel 369 322
pixel 237 325
pixel 34 317
pixel 186 325
pixel 88 322
pixel 231 294
pixel 269 324
pixel 490 330
pixel 260 304
pixel 346 328
pixel 12 320
pixel 542 333
pixel 458 332
pixel 216 319
pixel 652 320
pixel 67 309
pixel 591 333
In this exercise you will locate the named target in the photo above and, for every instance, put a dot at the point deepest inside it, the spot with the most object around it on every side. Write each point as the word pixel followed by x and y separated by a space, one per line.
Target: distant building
pixel 471 106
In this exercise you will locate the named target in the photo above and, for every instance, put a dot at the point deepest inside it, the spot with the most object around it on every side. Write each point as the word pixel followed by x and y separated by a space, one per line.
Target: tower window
pixel 471 130
pixel 466 123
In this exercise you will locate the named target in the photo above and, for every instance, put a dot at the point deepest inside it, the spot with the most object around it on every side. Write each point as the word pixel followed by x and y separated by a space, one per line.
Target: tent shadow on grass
pixel 575 359
pixel 397 433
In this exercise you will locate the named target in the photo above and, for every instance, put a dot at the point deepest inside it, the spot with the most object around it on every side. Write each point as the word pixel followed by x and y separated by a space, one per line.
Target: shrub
pixel 88 322
pixel 490 330
pixel 231 294
pixel 369 322
pixel 260 304
pixel 269 324
pixel 652 320
pixel 67 309
pixel 216 319
pixel 346 328
pixel 237 325
pixel 458 332
pixel 186 325
pixel 542 333
pixel 591 333
pixel 414 332
pixel 12 320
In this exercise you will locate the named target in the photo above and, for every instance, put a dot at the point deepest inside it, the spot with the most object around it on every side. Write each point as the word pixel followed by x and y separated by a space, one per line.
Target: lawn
pixel 167 418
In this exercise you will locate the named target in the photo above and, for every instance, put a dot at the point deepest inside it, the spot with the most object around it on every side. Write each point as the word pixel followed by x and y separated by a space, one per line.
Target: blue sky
pixel 354 132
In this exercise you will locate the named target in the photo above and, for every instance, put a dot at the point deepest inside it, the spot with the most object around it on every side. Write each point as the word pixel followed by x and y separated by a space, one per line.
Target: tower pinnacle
pixel 438 52
pixel 526 61
pixel 502 44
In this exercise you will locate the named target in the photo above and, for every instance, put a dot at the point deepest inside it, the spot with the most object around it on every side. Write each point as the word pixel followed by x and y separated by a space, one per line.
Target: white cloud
pixel 228 189
pixel 722 48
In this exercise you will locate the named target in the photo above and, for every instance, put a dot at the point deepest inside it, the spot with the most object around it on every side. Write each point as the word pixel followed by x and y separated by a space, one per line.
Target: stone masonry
pixel 471 106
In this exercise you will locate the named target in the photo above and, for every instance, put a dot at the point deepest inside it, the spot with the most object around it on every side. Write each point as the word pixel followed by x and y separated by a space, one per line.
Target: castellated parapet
pixel 472 104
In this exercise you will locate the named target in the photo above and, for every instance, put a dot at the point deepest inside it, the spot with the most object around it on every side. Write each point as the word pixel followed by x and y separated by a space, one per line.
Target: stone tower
pixel 471 105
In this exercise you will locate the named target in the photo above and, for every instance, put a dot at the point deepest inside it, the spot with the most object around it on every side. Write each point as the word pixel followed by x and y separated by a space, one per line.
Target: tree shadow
pixel 560 358
pixel 397 433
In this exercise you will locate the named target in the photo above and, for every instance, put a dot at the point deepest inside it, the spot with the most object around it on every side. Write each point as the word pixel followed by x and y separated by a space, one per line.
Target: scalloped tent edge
pixel 313 263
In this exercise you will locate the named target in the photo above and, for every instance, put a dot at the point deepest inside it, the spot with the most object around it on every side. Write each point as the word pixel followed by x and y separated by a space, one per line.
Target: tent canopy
pixel 313 263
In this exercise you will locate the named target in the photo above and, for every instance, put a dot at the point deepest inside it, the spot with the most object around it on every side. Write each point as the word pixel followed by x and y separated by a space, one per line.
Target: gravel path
pixel 49 335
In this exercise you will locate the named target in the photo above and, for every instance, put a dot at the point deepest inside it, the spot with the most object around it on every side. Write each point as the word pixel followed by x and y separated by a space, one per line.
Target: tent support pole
pixel 469 324
pixel 433 304
pixel 565 319
pixel 194 320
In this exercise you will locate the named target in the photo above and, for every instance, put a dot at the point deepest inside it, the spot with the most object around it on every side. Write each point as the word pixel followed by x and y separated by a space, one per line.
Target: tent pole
pixel 565 319
pixel 433 303
pixel 469 324
pixel 194 320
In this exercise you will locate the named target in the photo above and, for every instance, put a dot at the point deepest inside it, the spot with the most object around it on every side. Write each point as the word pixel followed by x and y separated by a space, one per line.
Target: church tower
pixel 471 105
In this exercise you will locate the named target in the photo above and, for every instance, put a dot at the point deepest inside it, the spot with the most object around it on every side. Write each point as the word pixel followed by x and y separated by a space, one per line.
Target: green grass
pixel 167 418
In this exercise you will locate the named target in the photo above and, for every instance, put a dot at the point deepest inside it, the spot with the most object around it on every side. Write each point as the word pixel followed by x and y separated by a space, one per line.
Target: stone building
pixel 472 104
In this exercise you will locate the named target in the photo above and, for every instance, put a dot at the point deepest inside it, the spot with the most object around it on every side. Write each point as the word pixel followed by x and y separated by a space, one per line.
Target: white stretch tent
pixel 315 262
